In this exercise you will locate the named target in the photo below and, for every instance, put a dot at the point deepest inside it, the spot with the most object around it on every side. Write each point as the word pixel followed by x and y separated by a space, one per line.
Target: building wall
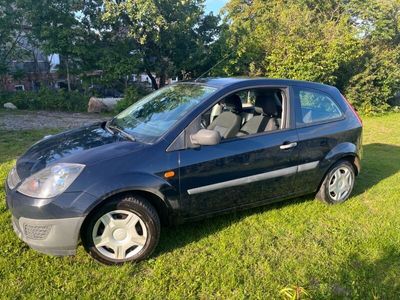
pixel 30 81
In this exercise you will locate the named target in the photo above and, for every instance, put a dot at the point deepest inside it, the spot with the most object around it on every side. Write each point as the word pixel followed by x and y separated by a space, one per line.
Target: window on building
pixel 19 87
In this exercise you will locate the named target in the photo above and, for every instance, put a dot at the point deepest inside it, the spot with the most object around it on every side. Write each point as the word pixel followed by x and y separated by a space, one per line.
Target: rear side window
pixel 313 106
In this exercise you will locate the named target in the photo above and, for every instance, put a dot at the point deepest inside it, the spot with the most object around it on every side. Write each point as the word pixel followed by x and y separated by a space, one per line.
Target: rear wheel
pixel 338 183
pixel 125 229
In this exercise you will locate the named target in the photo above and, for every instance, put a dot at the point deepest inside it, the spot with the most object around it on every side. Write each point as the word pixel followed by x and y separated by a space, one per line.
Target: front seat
pixel 267 118
pixel 272 112
pixel 229 121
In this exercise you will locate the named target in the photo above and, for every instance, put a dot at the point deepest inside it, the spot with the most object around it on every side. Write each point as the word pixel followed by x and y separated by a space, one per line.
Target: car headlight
pixel 13 179
pixel 50 181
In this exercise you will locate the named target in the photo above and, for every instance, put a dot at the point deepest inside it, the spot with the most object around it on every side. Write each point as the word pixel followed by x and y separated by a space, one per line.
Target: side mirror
pixel 205 137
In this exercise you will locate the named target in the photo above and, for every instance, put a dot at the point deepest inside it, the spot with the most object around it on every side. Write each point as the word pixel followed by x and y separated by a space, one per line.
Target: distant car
pixel 185 152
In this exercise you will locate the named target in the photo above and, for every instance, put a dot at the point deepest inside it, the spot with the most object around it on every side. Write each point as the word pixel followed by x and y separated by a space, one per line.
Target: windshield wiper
pixel 113 128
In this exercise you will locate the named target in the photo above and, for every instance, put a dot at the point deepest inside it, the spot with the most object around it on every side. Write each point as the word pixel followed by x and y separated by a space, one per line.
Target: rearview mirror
pixel 205 137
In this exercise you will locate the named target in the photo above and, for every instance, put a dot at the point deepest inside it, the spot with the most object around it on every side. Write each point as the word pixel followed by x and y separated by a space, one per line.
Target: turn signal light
pixel 169 174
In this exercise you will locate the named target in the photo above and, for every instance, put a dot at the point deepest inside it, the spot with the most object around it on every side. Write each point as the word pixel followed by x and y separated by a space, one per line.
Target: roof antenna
pixel 219 62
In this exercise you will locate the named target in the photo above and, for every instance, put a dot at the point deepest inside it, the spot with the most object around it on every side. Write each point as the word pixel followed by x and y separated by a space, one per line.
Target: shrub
pixel 46 99
pixel 5 97
pixel 371 89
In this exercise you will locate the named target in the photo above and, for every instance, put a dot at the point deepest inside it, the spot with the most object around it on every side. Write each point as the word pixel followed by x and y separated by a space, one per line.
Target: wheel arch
pixel 344 151
pixel 159 204
pixel 156 190
pixel 350 157
pixel 354 160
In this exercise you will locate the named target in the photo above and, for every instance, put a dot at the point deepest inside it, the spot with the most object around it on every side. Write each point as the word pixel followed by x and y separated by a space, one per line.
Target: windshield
pixel 151 117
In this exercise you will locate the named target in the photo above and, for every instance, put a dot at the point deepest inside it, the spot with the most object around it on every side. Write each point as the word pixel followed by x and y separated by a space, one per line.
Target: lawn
pixel 344 251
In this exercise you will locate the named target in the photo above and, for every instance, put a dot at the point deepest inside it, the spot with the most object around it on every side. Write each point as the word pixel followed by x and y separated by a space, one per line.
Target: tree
pixel 117 61
pixel 124 37
pixel 208 50
pixel 11 32
pixel 376 77
pixel 352 44
pixel 270 39
pixel 169 36
pixel 63 27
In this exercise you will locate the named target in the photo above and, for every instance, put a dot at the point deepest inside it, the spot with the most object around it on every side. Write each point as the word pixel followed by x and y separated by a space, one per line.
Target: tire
pixel 124 229
pixel 335 192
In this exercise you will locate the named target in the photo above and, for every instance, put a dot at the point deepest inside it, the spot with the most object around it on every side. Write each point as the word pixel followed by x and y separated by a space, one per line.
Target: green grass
pixel 343 251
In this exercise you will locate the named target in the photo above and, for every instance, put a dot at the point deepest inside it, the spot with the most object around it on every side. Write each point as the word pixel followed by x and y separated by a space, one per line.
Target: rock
pixel 97 105
pixel 9 105
pixel 110 102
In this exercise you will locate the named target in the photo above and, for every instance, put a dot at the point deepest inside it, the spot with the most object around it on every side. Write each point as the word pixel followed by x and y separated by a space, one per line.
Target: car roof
pixel 221 82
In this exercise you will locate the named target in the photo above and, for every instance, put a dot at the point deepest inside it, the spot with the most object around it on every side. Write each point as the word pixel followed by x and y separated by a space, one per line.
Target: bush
pixel 61 100
pixel 131 95
pixel 46 99
pixel 5 97
pixel 371 90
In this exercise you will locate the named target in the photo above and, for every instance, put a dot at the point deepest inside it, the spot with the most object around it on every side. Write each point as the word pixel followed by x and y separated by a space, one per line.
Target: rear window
pixel 313 106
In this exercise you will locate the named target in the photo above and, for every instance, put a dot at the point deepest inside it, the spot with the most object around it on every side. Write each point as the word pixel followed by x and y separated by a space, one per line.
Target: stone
pixel 97 105
pixel 9 105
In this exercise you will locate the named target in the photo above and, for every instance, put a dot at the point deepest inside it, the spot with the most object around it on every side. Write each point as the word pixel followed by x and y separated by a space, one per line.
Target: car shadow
pixel 380 161
pixel 178 236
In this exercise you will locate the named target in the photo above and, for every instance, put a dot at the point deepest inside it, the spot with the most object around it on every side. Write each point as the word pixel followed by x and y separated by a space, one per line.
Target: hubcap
pixel 119 234
pixel 340 183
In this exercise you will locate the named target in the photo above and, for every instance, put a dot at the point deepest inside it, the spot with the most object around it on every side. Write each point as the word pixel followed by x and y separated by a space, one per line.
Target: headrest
pixel 233 103
pixel 266 103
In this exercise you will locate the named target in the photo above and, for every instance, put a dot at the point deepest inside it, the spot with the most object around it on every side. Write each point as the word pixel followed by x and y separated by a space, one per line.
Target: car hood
pixel 86 145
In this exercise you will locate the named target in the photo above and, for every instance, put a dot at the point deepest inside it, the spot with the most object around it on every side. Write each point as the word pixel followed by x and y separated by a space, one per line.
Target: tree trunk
pixel 68 78
pixel 49 80
pixel 153 80
pixel 3 81
pixel 162 79
pixel 36 75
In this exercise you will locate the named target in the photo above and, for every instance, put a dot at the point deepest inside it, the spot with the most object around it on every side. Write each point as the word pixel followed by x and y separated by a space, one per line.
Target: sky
pixel 215 5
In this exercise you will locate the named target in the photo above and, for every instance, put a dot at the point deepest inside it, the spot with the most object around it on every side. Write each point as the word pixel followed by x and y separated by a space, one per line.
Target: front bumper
pixel 53 236
pixel 49 226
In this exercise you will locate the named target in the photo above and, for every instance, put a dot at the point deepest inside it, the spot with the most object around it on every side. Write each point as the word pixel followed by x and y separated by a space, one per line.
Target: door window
pixel 246 112
pixel 313 106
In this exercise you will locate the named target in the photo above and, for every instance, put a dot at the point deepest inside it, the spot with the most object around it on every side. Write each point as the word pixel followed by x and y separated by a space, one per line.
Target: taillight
pixel 353 110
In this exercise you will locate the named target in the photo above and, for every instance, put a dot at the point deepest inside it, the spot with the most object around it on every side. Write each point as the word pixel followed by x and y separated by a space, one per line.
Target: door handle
pixel 288 146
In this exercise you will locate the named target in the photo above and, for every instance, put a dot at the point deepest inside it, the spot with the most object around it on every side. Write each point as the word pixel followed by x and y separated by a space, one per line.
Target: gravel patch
pixel 42 119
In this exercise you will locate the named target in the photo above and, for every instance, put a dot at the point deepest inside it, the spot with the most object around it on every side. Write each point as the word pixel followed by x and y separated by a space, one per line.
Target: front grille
pixel 13 179
pixel 36 232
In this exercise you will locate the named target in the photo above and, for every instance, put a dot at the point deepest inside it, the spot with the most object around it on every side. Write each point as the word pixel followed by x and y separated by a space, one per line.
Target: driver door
pixel 238 172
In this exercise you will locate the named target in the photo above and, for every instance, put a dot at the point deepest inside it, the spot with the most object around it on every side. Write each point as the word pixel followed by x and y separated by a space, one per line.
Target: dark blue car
pixel 185 152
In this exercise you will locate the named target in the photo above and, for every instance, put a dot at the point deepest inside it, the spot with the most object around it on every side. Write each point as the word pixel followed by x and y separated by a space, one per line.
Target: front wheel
pixel 124 229
pixel 338 183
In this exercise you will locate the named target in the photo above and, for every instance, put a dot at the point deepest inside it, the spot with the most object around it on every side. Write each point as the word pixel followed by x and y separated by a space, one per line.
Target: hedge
pixel 46 99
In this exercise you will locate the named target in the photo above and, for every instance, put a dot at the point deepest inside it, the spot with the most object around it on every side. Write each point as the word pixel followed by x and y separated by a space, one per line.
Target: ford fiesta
pixel 184 152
